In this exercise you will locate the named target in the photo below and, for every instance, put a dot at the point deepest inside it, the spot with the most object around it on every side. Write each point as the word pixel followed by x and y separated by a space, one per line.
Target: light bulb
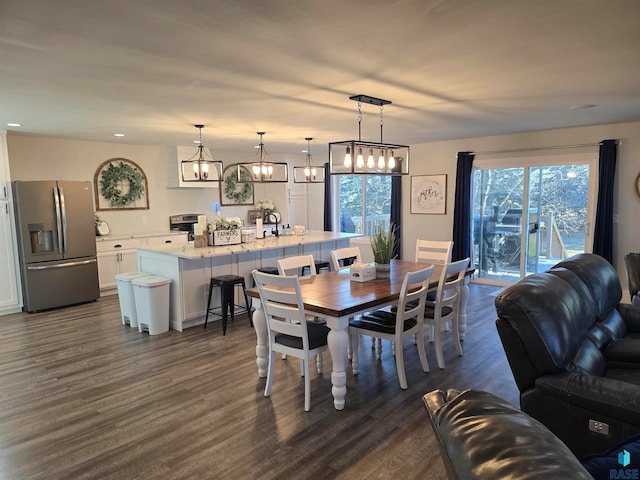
pixel 205 170
pixel 307 172
pixel 314 172
pixel 270 171
pixel 360 159
pixel 256 170
pixel 196 169
pixel 347 158
pixel 392 161
pixel 381 161
pixel 370 160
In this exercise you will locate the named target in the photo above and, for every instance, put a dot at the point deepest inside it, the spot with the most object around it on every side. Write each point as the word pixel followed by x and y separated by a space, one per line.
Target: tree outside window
pixel 364 203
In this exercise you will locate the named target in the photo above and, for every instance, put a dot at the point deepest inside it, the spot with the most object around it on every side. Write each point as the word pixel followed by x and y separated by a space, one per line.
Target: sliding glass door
pixel 526 218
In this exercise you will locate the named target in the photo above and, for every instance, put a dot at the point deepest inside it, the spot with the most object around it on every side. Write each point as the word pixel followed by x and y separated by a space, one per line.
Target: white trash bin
pixel 151 295
pixel 125 294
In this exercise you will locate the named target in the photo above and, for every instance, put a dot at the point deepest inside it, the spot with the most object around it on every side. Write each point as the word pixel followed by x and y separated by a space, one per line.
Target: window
pixel 363 203
pixel 528 214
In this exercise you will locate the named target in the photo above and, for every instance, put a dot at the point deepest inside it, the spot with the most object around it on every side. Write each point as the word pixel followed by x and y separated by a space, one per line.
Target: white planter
pixel 226 237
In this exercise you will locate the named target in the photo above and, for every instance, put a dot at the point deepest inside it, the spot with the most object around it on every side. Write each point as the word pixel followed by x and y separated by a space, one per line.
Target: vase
pixel 383 270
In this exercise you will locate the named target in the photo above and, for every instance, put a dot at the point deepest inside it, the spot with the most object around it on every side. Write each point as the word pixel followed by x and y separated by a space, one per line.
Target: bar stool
pixel 270 270
pixel 319 264
pixel 227 284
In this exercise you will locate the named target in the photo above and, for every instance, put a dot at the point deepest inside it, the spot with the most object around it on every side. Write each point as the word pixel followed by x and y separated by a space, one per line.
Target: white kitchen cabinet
pixel 117 256
pixel 10 287
pixel 114 257
pixel 10 298
pixel 167 239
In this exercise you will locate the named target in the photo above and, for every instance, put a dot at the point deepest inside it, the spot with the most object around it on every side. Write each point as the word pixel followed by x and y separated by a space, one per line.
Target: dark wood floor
pixel 82 396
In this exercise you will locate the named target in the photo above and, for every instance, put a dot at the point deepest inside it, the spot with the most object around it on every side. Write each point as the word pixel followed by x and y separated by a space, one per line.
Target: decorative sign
pixel 120 184
pixel 234 191
pixel 429 194
pixel 226 237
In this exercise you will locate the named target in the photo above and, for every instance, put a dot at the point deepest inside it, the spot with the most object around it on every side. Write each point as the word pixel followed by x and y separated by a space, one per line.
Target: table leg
pixel 338 339
pixel 462 308
pixel 262 345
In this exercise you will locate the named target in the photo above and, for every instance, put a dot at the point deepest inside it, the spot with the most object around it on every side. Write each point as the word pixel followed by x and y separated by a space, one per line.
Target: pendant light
pixel 309 173
pixel 264 169
pixel 201 169
pixel 392 159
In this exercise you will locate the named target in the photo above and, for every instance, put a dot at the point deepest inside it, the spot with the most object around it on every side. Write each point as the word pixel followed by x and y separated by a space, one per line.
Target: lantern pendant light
pixel 393 159
pixel 309 173
pixel 201 169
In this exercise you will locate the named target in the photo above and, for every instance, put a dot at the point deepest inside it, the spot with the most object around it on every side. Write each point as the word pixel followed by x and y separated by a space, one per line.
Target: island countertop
pixel 268 243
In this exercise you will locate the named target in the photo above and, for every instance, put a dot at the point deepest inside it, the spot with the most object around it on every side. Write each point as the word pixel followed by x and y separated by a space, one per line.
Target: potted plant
pixel 383 244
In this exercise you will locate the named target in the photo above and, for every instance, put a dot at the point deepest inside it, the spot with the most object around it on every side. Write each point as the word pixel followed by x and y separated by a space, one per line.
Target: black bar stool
pixel 227 283
pixel 270 270
pixel 319 265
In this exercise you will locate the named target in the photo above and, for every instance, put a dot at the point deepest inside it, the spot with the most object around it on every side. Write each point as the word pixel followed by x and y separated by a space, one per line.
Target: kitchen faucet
pixel 277 234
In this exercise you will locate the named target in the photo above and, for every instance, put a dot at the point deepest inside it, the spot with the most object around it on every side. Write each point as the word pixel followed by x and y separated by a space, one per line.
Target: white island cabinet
pixel 190 269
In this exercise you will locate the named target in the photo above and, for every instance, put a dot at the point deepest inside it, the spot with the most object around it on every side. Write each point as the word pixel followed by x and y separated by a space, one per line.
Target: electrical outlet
pixel 144 219
pixel 599 427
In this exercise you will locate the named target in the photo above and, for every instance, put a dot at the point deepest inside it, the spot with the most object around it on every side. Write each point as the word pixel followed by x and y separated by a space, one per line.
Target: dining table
pixel 335 297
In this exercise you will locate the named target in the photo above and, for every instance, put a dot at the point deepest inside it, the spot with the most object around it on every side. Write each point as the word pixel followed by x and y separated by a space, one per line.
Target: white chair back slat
pixel 343 254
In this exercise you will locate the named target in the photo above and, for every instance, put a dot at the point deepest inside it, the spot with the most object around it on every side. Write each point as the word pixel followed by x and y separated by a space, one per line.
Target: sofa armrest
pixel 617 399
pixel 482 436
pixel 631 316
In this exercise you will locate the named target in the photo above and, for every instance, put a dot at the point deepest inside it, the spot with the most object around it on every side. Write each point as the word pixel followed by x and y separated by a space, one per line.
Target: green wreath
pixel 231 184
pixel 116 173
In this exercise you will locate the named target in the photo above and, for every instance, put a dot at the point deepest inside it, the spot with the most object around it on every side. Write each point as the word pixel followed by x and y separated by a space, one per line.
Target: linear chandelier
pixel 264 169
pixel 371 158
pixel 309 173
pixel 201 169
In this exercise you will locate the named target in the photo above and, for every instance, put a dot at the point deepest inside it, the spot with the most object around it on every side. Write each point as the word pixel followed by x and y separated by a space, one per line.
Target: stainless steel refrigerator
pixel 56 243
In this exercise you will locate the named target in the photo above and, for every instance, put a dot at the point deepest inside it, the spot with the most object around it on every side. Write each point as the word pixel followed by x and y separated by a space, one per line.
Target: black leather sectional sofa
pixel 574 351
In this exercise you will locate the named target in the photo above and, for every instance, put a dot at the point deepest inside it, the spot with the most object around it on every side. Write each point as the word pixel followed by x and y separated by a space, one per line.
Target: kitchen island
pixel 190 269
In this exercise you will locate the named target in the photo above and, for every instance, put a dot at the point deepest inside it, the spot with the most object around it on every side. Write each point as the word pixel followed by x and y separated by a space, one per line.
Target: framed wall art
pixel 234 190
pixel 120 184
pixel 429 194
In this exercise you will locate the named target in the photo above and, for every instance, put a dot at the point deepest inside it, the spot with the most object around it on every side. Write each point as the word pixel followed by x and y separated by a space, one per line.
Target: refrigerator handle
pixel 63 209
pixel 59 207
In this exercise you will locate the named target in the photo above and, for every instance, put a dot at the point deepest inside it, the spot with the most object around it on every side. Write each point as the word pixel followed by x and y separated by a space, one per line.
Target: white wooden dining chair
pixel 433 252
pixel 289 332
pixel 446 307
pixel 404 323
pixel 295 265
pixel 342 254
pixel 364 244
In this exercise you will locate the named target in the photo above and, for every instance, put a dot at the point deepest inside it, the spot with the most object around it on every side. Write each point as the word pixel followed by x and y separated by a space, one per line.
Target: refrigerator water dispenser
pixel 41 239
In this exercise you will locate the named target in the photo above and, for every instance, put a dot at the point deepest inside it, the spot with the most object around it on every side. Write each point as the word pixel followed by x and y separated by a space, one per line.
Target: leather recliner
pixel 574 351
pixel 482 436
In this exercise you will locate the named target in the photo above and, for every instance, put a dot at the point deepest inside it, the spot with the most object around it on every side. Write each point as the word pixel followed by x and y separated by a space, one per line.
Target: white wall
pixel 45 158
pixel 38 158
pixel 440 157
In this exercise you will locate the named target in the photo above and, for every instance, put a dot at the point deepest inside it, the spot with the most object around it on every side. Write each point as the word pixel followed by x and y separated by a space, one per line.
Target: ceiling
pixel 452 68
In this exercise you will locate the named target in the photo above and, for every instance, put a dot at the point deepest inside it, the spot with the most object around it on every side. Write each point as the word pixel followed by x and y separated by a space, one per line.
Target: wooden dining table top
pixel 334 294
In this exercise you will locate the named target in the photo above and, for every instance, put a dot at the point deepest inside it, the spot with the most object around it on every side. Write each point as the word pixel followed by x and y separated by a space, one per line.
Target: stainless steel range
pixel 184 223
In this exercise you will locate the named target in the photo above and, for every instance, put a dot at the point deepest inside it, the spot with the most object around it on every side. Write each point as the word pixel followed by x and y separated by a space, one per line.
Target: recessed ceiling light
pixel 14 124
pixel 581 107
pixel 118 134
